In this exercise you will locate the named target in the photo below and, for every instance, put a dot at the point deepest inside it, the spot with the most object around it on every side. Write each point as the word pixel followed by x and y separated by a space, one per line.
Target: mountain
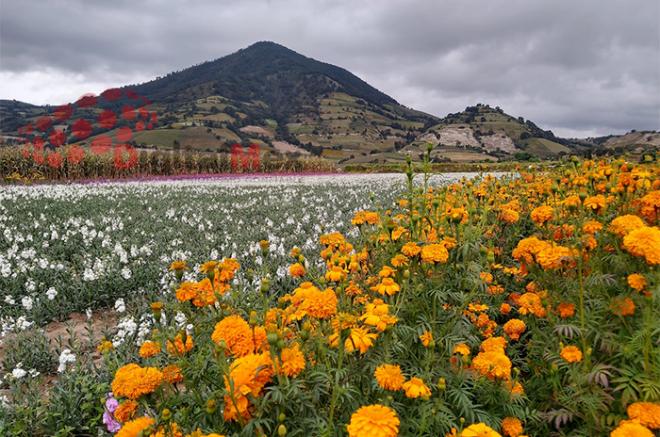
pixel 289 103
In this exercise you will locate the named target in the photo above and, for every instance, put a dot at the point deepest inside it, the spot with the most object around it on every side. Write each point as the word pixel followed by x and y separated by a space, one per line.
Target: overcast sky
pixel 578 67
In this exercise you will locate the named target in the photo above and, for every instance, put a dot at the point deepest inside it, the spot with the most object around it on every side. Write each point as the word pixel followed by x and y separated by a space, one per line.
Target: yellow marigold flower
pixel 416 388
pixel 514 328
pixel 650 208
pixel 622 306
pixel 595 203
pixel 461 348
pixel 236 335
pixel 388 287
pixel 186 291
pixel 624 224
pixel 512 426
pixel 293 361
pixel 571 354
pixel 179 265
pixel 247 375
pixel 592 226
pixel 399 260
pixel 386 272
pixel 479 430
pixel 208 267
pixel 426 338
pixel 335 274
pixel 332 239
pixel 377 314
pixel 360 339
pixel 297 270
pixel 542 214
pixel 374 421
pixel 410 250
pixel 646 413
pixel 135 427
pixel 493 344
pixel 178 346
pixel 149 349
pixel 172 374
pixel 132 381
pixel 486 277
pixel 644 242
pixel 125 411
pixel 508 215
pixel 434 253
pixel 628 428
pixel 531 303
pixel 492 365
pixel 104 346
pixel 637 281
pixel 398 232
pixel 389 376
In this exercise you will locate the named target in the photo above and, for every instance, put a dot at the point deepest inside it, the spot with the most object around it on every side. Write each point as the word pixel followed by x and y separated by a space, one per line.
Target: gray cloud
pixel 580 68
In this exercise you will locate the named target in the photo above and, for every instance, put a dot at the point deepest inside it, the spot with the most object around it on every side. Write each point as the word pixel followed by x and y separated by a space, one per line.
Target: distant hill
pixel 291 104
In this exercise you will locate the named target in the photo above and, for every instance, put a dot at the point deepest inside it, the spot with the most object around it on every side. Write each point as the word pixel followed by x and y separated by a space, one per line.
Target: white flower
pixel 10 300
pixel 27 302
pixel 88 313
pixel 180 319
pixel 51 293
pixel 126 273
pixel 120 306
pixel 65 357
pixel 18 371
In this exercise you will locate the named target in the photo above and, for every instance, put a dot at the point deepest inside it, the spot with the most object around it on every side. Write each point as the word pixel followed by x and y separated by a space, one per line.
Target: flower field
pixel 360 306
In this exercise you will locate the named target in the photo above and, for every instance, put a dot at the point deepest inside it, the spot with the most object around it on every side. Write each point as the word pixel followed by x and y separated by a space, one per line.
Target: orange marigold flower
pixel 416 388
pixel 508 215
pixel 493 365
pixel 386 272
pixel 132 381
pixel 388 287
pixel 650 208
pixel 644 242
pixel 297 270
pixel 554 257
pixel 149 349
pixel 374 421
pixel 179 346
pixel 527 248
pixel 566 310
pixel 236 335
pixel 595 203
pixel 514 328
pixel 426 338
pixel 186 291
pixel 571 354
pixel 172 374
pixel 434 253
pixel 362 217
pixel 628 428
pixel 208 267
pixel 125 411
pixel 377 314
pixel 479 430
pixel 135 427
pixel 486 277
pixel 531 303
pixel 623 306
pixel 320 304
pixel 592 226
pixel 410 250
pixel 646 413
pixel 512 426
pixel 542 214
pixel 637 281
pixel 389 377
pixel 247 376
pixel 493 344
pixel 399 260
pixel 293 361
pixel 624 224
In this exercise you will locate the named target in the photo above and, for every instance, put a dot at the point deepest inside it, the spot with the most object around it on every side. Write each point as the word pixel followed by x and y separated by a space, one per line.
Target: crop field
pixel 380 305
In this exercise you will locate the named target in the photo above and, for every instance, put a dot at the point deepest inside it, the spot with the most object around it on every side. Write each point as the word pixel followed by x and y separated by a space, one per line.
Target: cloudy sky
pixel 578 67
